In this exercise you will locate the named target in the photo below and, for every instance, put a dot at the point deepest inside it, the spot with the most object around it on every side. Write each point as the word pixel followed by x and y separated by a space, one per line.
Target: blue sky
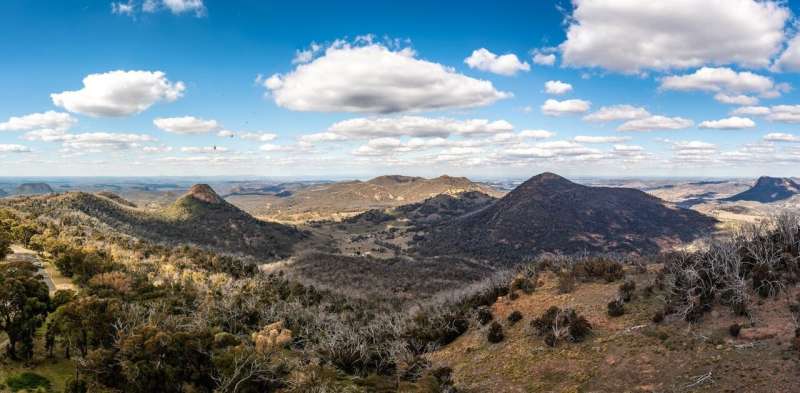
pixel 356 89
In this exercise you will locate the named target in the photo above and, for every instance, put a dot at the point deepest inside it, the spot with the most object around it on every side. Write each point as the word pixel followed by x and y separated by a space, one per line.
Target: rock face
pixel 204 192
pixel 549 213
pixel 34 189
pixel 768 189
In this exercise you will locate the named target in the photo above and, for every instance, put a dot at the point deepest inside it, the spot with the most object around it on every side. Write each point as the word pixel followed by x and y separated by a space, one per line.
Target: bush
pixel 595 268
pixel 626 290
pixel 735 329
pixel 558 325
pixel 495 334
pixel 27 381
pixel 76 386
pixel 524 284
pixel 566 281
pixel 616 308
pixel 484 315
pixel 514 317
pixel 658 317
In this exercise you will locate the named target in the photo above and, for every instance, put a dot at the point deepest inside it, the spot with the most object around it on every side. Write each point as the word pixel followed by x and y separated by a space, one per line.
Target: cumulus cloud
pixel 601 139
pixel 751 111
pixel 321 137
pixel 739 99
pixel 536 134
pixel 259 136
pixel 656 122
pixel 545 59
pixel 553 107
pixel 617 112
pixel 204 149
pixel 416 126
pixel 185 6
pixel 375 78
pixel 186 125
pixel 121 8
pixel 784 113
pixel 90 141
pixel 389 145
pixel 13 148
pixel 781 137
pixel 730 123
pixel 557 87
pixel 552 149
pixel 119 93
pixel 724 79
pixel 632 36
pixel 789 60
pixel 485 60
pixel 50 120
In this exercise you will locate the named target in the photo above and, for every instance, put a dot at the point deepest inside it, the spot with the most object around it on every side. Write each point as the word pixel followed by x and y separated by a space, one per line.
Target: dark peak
pixel 204 192
pixel 450 179
pixel 774 181
pixel 548 179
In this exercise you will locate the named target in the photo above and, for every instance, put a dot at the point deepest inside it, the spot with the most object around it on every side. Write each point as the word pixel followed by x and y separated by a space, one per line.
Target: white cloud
pixel 552 149
pixel 730 123
pixel 416 126
pixel 204 149
pixel 121 8
pixel 751 111
pixel 50 119
pixel 536 134
pixel 631 36
pixel 13 148
pixel 789 60
pixel 553 107
pixel 321 137
pixel 226 134
pixel 739 99
pixel 119 93
pixel 183 6
pixel 619 148
pixel 781 137
pixel 723 79
pixel 601 139
pixel 656 123
pixel 306 55
pixel 375 78
pixel 785 113
pixel 544 58
pixel 259 136
pixel 186 125
pixel 617 112
pixel 557 87
pixel 270 147
pixel 90 141
pixel 485 60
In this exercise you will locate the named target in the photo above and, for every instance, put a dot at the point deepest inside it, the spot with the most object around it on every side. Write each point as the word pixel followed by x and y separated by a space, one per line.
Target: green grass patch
pixel 27 381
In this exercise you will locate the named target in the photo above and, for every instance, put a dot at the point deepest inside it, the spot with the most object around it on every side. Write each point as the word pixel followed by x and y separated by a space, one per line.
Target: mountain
pixel 34 189
pixel 200 217
pixel 549 213
pixel 768 189
pixel 352 197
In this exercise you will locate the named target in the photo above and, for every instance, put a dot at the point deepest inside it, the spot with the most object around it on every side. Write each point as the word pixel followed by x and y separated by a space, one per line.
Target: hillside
pixel 200 217
pixel 351 197
pixel 549 213
pixel 33 189
pixel 768 189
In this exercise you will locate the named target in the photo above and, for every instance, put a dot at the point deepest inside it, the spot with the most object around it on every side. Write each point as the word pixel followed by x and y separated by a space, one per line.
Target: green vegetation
pixel 27 381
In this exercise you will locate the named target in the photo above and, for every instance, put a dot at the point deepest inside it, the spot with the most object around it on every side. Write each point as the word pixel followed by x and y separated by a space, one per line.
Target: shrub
pixel 524 284
pixel 484 315
pixel 514 317
pixel 566 281
pixel 558 325
pixel 596 268
pixel 626 290
pixel 735 329
pixel 616 308
pixel 495 334
pixel 658 317
pixel 27 381
pixel 76 386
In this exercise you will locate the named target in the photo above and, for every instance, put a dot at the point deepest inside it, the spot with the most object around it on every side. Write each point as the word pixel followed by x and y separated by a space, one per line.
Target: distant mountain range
pixel 322 201
pixel 768 189
pixel 549 213
pixel 33 189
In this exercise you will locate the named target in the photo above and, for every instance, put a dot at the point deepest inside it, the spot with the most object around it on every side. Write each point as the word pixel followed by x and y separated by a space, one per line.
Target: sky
pixel 354 89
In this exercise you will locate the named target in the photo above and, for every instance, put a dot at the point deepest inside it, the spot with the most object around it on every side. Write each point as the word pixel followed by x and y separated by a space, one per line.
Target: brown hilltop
pixel 549 213
pixel 204 192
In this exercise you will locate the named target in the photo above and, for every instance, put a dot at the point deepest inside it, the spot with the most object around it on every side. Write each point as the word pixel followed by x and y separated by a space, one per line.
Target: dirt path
pixel 50 274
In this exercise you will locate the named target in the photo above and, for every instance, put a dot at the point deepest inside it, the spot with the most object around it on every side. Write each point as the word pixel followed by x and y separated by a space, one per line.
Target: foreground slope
pixel 550 213
pixel 768 189
pixel 200 218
